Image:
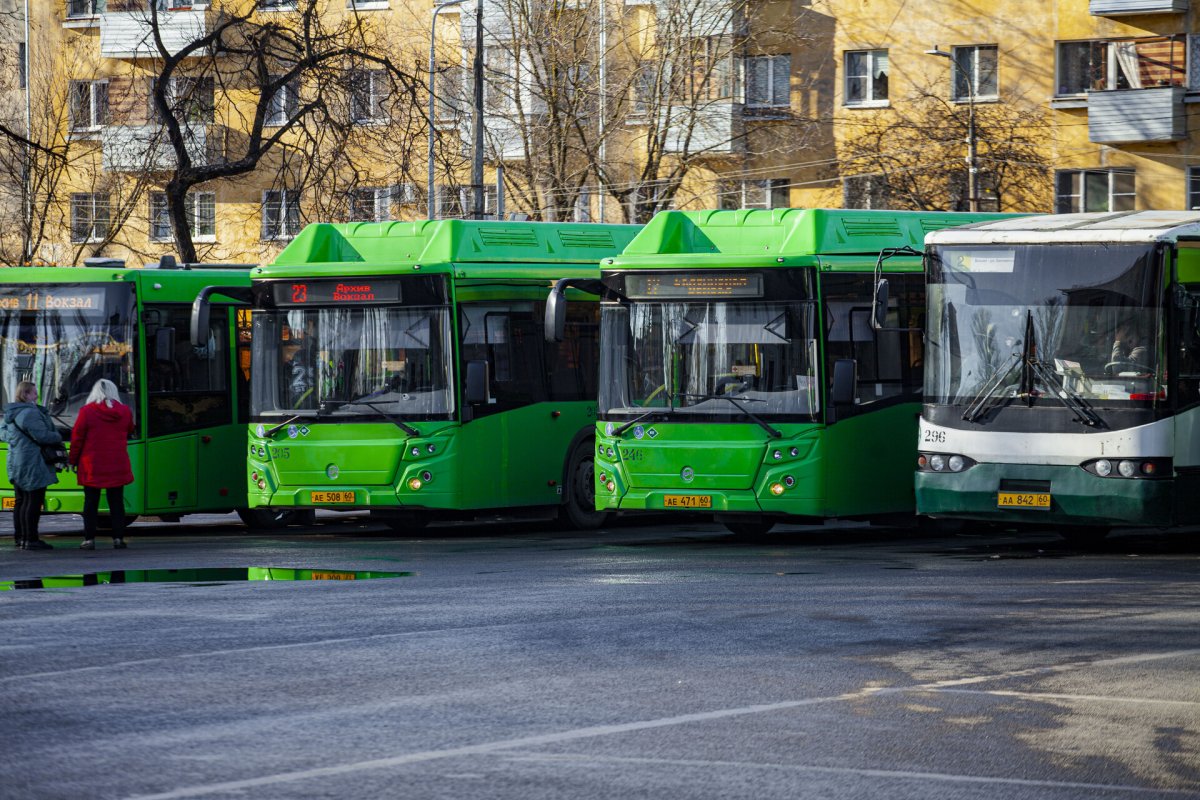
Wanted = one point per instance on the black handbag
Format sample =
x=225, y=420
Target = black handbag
x=55, y=455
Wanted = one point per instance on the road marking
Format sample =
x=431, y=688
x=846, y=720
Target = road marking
x=663, y=722
x=1098, y=698
x=891, y=774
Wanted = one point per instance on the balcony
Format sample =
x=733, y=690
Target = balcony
x=715, y=129
x=1122, y=8
x=128, y=34
x=145, y=148
x=1137, y=115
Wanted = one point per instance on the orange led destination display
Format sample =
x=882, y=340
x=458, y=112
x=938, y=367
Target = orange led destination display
x=676, y=285
x=350, y=292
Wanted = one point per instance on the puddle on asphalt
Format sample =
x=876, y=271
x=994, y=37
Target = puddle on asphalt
x=204, y=576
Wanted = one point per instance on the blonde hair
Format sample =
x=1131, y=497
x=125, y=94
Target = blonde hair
x=104, y=391
x=23, y=388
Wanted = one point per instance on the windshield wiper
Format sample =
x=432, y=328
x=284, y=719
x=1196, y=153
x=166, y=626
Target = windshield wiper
x=734, y=401
x=987, y=399
x=269, y=432
x=637, y=419
x=362, y=401
x=1067, y=397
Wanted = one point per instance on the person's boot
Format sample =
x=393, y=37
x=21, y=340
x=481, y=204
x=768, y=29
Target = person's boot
x=88, y=544
x=37, y=544
x=118, y=543
x=18, y=542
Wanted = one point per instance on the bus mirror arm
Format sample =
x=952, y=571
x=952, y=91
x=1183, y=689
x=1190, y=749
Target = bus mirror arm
x=879, y=304
x=556, y=304
x=201, y=307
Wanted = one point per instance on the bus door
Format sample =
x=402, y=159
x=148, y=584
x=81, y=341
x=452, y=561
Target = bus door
x=194, y=452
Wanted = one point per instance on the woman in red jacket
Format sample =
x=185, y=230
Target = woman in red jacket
x=101, y=459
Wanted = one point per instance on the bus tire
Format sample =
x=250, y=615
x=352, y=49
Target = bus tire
x=748, y=526
x=579, y=494
x=1084, y=535
x=272, y=519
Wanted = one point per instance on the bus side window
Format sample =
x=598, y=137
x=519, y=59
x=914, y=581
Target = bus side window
x=572, y=365
x=509, y=338
x=187, y=387
x=1187, y=336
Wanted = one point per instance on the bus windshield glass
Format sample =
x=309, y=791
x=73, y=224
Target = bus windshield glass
x=710, y=359
x=1072, y=322
x=64, y=338
x=367, y=362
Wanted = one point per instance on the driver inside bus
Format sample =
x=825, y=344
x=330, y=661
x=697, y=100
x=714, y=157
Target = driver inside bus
x=1128, y=347
x=297, y=373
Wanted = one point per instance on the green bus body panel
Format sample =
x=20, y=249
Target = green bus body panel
x=1077, y=497
x=734, y=464
x=198, y=467
x=515, y=458
x=1187, y=264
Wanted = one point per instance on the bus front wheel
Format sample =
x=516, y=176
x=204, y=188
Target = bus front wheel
x=270, y=519
x=579, y=502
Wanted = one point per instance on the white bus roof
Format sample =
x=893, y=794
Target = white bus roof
x=1121, y=226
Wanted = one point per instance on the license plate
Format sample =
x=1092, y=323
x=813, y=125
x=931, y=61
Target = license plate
x=8, y=503
x=687, y=501
x=331, y=497
x=1039, y=501
x=333, y=576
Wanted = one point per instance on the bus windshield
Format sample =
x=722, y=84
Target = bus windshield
x=1076, y=323
x=366, y=362
x=710, y=359
x=65, y=337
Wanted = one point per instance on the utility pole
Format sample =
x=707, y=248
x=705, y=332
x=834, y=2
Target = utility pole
x=432, y=193
x=26, y=184
x=477, y=117
x=972, y=162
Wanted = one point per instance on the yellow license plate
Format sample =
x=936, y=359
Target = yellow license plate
x=331, y=497
x=1039, y=501
x=334, y=576
x=687, y=501
x=8, y=503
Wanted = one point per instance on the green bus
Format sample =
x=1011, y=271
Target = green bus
x=63, y=328
x=400, y=368
x=1063, y=380
x=741, y=372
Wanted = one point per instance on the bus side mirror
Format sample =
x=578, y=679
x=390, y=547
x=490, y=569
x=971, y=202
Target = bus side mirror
x=879, y=305
x=844, y=377
x=164, y=344
x=556, y=313
x=476, y=392
x=201, y=308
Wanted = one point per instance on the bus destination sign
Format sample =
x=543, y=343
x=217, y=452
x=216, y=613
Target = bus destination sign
x=50, y=298
x=354, y=291
x=679, y=285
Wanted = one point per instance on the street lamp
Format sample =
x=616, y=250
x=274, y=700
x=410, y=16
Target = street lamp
x=437, y=9
x=972, y=165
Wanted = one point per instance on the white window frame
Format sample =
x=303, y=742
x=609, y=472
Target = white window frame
x=366, y=5
x=751, y=64
x=374, y=100
x=92, y=203
x=1192, y=191
x=872, y=57
x=972, y=51
x=760, y=193
x=276, y=5
x=194, y=203
x=380, y=201
x=1113, y=198
x=94, y=9
x=97, y=110
x=1111, y=64
x=284, y=201
x=870, y=187
x=283, y=105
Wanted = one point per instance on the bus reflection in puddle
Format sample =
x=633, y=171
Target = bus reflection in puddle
x=204, y=576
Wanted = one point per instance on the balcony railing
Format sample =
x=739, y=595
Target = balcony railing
x=146, y=148
x=1137, y=115
x=1120, y=8
x=128, y=34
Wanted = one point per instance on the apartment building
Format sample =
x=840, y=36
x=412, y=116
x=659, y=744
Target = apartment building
x=614, y=110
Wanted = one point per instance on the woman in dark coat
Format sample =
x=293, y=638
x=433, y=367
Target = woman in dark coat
x=27, y=426
x=101, y=458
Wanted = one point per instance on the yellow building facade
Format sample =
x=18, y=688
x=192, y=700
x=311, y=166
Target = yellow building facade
x=1059, y=105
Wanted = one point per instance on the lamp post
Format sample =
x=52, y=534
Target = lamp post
x=437, y=9
x=972, y=165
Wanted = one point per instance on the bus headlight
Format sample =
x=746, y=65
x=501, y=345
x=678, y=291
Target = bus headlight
x=1127, y=469
x=956, y=463
x=414, y=484
x=776, y=489
x=940, y=462
x=1130, y=467
x=612, y=487
x=937, y=463
x=1104, y=468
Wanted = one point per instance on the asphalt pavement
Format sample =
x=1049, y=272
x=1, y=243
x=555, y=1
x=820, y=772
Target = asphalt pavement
x=519, y=660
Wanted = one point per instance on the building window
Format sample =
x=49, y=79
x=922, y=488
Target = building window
x=768, y=81
x=1193, y=188
x=448, y=85
x=85, y=8
x=276, y=5
x=1125, y=64
x=201, y=210
x=89, y=217
x=582, y=211
x=498, y=88
x=280, y=214
x=368, y=92
x=1078, y=190
x=451, y=200
x=284, y=105
x=371, y=204
x=22, y=80
x=865, y=191
x=866, y=78
x=89, y=105
x=768, y=193
x=975, y=72
x=189, y=99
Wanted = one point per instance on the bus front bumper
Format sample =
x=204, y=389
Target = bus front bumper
x=1077, y=497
